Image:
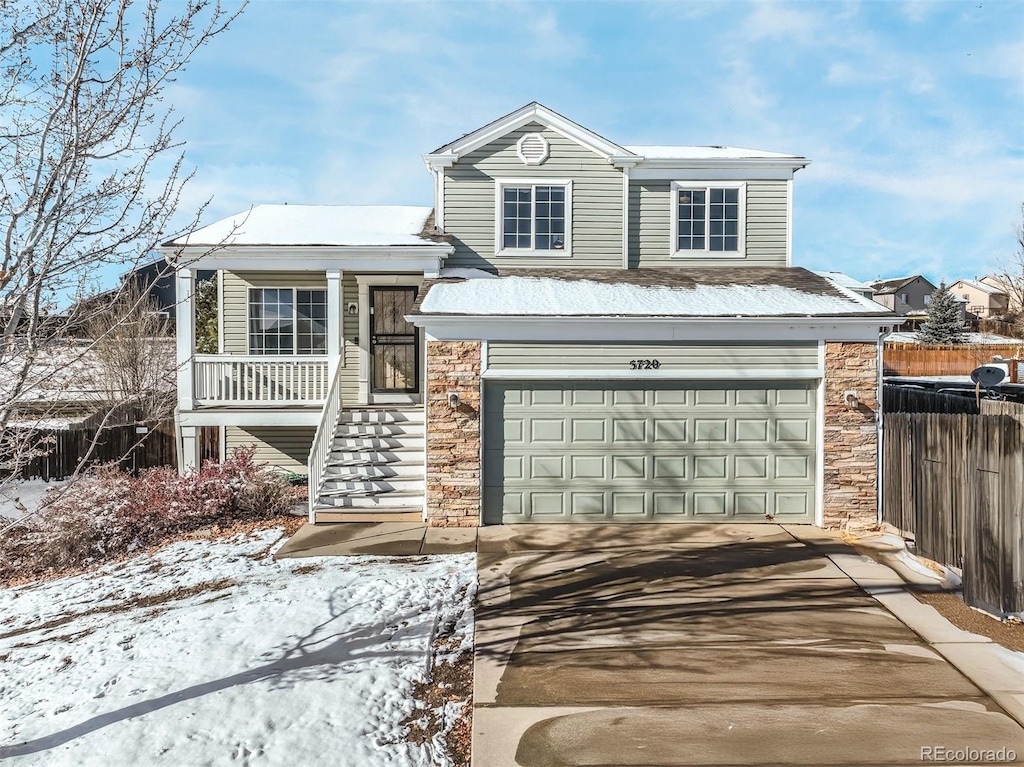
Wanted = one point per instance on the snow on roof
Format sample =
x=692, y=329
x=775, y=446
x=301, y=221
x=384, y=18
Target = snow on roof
x=339, y=225
x=893, y=284
x=980, y=286
x=707, y=153
x=841, y=278
x=635, y=294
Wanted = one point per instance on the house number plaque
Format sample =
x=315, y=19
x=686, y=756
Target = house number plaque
x=644, y=364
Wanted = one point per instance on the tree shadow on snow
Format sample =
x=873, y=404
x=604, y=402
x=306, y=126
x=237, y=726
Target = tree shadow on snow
x=317, y=655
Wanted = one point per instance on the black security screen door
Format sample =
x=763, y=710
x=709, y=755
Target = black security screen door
x=394, y=344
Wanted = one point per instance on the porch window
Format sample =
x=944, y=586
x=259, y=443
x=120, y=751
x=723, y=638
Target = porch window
x=287, y=321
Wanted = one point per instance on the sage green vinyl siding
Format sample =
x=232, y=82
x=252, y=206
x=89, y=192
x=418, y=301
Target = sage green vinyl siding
x=650, y=227
x=469, y=203
x=684, y=357
x=236, y=315
x=646, y=451
x=236, y=307
x=285, y=447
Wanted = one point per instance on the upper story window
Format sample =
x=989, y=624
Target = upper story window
x=287, y=321
x=534, y=217
x=708, y=219
x=927, y=298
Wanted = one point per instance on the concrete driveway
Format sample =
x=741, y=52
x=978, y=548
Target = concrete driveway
x=717, y=645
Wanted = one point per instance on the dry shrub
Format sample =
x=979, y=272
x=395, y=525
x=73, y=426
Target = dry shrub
x=109, y=513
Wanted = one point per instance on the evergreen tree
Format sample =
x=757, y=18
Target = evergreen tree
x=945, y=324
x=207, y=313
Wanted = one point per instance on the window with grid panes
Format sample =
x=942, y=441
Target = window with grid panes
x=707, y=218
x=533, y=217
x=287, y=321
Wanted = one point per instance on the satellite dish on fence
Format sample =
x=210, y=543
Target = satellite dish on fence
x=988, y=375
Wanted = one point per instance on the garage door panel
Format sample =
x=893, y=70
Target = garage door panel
x=671, y=451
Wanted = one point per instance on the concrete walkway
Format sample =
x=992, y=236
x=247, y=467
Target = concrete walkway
x=722, y=645
x=397, y=539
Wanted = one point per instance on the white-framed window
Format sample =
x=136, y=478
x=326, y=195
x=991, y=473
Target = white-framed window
x=533, y=217
x=903, y=298
x=287, y=321
x=927, y=298
x=708, y=219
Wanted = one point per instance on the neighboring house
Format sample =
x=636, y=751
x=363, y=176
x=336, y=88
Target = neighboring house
x=848, y=282
x=1013, y=295
x=982, y=300
x=904, y=295
x=575, y=331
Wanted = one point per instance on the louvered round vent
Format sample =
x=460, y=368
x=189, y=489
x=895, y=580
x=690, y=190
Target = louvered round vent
x=532, y=149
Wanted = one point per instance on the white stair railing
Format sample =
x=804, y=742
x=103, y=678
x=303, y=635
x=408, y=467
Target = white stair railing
x=323, y=442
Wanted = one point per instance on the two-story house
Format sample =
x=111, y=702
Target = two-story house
x=982, y=300
x=905, y=295
x=575, y=331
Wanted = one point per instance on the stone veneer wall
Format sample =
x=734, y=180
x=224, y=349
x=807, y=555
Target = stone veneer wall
x=453, y=434
x=851, y=436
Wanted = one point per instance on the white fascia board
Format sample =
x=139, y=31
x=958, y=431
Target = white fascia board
x=662, y=374
x=428, y=258
x=241, y=416
x=650, y=329
x=714, y=172
x=750, y=163
x=530, y=113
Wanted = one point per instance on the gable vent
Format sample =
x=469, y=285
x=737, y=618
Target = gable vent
x=532, y=149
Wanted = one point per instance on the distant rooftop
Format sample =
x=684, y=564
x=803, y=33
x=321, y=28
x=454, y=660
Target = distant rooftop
x=311, y=225
x=981, y=286
x=841, y=278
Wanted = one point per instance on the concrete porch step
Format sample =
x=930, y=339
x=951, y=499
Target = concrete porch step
x=373, y=457
x=355, y=472
x=383, y=415
x=398, y=514
x=379, y=443
x=395, y=498
x=379, y=430
x=334, y=487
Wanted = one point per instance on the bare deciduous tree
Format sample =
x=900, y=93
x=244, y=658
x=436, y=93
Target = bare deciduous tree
x=1010, y=276
x=90, y=171
x=132, y=355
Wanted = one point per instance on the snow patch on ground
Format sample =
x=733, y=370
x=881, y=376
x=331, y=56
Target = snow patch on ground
x=518, y=296
x=212, y=652
x=29, y=492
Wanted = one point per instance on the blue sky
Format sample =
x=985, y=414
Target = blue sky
x=911, y=112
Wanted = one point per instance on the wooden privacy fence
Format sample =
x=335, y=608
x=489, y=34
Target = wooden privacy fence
x=907, y=399
x=955, y=482
x=61, y=451
x=901, y=359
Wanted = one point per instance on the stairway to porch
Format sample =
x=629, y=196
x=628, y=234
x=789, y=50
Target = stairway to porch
x=376, y=470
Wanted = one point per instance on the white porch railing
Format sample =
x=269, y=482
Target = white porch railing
x=320, y=452
x=222, y=379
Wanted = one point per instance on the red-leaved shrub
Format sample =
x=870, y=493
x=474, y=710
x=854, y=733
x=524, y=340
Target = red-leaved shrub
x=107, y=512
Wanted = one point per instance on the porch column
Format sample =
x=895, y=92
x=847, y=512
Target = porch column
x=186, y=336
x=334, y=309
x=188, y=459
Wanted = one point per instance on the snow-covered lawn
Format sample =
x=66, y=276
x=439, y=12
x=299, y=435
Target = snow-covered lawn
x=211, y=652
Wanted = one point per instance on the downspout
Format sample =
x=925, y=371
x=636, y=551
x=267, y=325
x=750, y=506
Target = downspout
x=880, y=419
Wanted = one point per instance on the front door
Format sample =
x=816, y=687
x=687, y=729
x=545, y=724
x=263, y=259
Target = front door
x=394, y=343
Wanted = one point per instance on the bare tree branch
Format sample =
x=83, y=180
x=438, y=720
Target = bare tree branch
x=90, y=176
